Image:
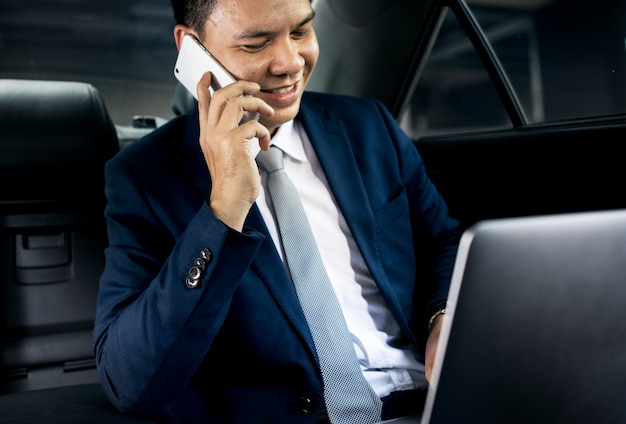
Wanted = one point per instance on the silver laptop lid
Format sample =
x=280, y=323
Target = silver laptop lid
x=536, y=330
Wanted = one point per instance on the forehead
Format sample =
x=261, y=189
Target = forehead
x=250, y=16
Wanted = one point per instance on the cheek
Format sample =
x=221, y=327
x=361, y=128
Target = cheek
x=311, y=52
x=252, y=70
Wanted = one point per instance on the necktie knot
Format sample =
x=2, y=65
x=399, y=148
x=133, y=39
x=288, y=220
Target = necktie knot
x=270, y=160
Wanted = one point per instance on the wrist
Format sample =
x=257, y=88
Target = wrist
x=435, y=317
x=231, y=215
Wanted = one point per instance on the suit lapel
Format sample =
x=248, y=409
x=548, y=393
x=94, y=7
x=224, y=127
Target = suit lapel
x=274, y=275
x=334, y=151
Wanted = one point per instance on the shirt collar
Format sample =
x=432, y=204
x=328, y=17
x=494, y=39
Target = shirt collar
x=288, y=139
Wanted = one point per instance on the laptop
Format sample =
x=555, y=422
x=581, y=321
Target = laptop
x=536, y=328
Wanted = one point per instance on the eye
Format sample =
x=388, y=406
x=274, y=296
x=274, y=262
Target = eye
x=301, y=33
x=255, y=47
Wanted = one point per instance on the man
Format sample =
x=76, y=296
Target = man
x=198, y=319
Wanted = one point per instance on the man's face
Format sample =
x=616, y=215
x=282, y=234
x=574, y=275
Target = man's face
x=270, y=42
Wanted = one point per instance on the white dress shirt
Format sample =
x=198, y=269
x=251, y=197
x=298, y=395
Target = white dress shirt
x=369, y=321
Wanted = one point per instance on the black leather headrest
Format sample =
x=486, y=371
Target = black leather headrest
x=55, y=137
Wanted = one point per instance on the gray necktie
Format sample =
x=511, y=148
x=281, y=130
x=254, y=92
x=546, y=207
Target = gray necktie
x=349, y=397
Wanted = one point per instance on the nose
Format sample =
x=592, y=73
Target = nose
x=287, y=58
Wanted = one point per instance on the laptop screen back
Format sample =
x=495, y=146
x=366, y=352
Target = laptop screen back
x=537, y=325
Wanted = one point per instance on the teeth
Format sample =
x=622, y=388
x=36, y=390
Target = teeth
x=283, y=90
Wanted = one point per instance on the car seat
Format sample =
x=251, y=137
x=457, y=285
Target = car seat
x=182, y=100
x=54, y=140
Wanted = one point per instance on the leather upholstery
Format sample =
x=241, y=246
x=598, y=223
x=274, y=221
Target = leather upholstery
x=54, y=140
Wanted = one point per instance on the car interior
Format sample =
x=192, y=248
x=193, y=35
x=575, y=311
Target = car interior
x=56, y=137
x=515, y=116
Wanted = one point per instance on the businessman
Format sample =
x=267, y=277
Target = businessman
x=200, y=315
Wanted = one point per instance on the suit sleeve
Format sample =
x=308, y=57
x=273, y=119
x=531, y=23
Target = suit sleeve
x=152, y=331
x=436, y=234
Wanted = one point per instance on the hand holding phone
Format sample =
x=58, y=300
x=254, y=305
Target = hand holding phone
x=192, y=62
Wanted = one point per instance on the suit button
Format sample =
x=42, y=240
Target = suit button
x=305, y=404
x=199, y=263
x=205, y=254
x=194, y=272
x=192, y=283
x=193, y=277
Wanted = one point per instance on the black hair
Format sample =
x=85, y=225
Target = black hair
x=193, y=13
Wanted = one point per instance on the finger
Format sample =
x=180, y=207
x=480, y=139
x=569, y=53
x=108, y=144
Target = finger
x=227, y=109
x=254, y=129
x=239, y=88
x=236, y=108
x=251, y=106
x=202, y=91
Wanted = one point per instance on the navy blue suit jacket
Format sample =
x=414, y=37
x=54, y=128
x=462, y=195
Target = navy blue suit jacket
x=237, y=347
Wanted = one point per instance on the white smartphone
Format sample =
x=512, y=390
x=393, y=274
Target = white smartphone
x=193, y=61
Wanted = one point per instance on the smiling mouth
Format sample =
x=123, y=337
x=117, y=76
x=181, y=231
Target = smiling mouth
x=281, y=90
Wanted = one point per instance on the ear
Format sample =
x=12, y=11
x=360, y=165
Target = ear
x=179, y=33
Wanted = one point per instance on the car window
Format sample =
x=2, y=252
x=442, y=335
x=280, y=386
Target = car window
x=564, y=59
x=124, y=48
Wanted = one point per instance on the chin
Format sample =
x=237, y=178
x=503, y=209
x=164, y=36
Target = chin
x=280, y=117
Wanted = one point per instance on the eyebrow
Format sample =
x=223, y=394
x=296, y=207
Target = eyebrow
x=260, y=34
